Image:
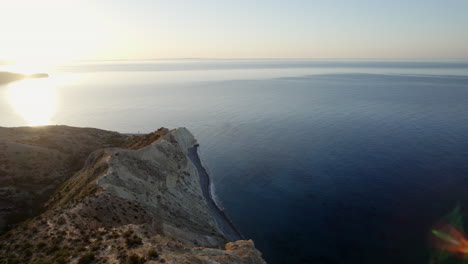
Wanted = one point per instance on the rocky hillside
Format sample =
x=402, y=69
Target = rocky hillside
x=141, y=202
x=35, y=161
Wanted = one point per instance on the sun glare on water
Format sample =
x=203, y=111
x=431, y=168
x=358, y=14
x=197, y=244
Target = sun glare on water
x=34, y=100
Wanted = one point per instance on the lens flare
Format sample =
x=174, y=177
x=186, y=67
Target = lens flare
x=448, y=238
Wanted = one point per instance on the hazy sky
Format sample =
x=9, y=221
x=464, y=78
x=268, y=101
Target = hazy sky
x=147, y=29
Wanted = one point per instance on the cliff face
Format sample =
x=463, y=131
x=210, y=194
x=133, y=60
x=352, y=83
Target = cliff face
x=139, y=204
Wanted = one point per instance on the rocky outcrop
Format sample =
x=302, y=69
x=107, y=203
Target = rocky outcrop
x=141, y=203
x=7, y=77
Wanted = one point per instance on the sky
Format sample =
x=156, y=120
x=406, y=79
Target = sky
x=153, y=29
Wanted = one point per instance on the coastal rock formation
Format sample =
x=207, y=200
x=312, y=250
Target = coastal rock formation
x=6, y=77
x=140, y=202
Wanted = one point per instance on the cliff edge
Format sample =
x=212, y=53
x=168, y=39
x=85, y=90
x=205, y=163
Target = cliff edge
x=141, y=202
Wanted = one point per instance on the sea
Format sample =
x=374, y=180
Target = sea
x=316, y=161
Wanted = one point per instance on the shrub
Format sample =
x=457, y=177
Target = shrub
x=61, y=220
x=26, y=245
x=135, y=259
x=96, y=246
x=41, y=260
x=13, y=260
x=52, y=249
x=60, y=260
x=114, y=235
x=128, y=233
x=153, y=254
x=133, y=241
x=86, y=259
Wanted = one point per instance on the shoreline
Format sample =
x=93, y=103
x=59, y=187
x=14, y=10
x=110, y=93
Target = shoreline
x=223, y=221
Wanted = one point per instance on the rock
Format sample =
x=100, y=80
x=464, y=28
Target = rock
x=7, y=77
x=38, y=75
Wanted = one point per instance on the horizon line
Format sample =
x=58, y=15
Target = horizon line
x=7, y=61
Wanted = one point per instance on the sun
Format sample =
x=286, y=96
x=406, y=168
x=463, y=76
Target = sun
x=34, y=100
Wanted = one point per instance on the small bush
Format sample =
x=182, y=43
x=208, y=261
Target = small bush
x=133, y=241
x=96, y=246
x=61, y=220
x=60, y=260
x=13, y=260
x=128, y=233
x=26, y=245
x=86, y=259
x=135, y=259
x=52, y=249
x=153, y=254
x=114, y=235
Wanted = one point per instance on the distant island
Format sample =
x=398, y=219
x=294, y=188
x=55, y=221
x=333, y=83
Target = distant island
x=7, y=77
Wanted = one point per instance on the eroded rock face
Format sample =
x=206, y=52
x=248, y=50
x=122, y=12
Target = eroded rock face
x=140, y=204
x=160, y=178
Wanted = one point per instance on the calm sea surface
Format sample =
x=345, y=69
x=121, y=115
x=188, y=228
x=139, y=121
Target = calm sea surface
x=316, y=161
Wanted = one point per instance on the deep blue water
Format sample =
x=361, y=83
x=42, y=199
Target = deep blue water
x=317, y=162
x=351, y=168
